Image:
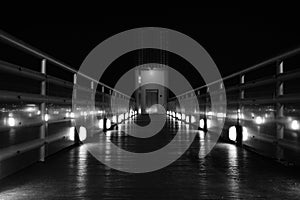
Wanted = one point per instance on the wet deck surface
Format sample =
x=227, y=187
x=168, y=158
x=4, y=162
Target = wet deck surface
x=227, y=172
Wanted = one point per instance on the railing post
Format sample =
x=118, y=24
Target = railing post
x=43, y=127
x=205, y=109
x=279, y=110
x=76, y=135
x=239, y=128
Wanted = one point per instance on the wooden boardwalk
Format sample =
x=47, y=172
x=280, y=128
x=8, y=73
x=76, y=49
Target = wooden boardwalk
x=227, y=172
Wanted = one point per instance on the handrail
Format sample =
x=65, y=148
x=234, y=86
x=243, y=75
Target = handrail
x=252, y=68
x=35, y=52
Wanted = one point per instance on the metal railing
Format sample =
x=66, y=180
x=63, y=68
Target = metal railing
x=237, y=86
x=42, y=98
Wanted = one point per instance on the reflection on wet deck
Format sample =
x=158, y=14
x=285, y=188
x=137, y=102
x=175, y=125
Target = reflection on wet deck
x=227, y=172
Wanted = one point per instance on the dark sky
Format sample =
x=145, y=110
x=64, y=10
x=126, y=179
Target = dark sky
x=235, y=38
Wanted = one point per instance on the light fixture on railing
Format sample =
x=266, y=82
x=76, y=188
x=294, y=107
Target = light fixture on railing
x=101, y=124
x=46, y=118
x=82, y=133
x=11, y=121
x=201, y=123
x=232, y=133
x=295, y=125
x=259, y=120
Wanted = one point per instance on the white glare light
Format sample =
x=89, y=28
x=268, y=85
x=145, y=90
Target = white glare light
x=183, y=117
x=100, y=124
x=46, y=117
x=71, y=133
x=82, y=133
x=140, y=110
x=72, y=115
x=208, y=123
x=259, y=120
x=295, y=125
x=232, y=133
x=67, y=115
x=187, y=119
x=245, y=134
x=193, y=119
x=201, y=123
x=179, y=116
x=11, y=121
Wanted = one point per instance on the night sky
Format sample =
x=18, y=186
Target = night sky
x=235, y=38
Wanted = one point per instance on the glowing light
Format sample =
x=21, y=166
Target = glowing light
x=187, y=119
x=209, y=113
x=30, y=109
x=140, y=79
x=259, y=120
x=82, y=133
x=101, y=124
x=179, y=116
x=11, y=121
x=38, y=112
x=108, y=123
x=72, y=115
x=193, y=119
x=221, y=115
x=201, y=123
x=72, y=133
x=245, y=134
x=208, y=123
x=140, y=110
x=295, y=125
x=232, y=133
x=183, y=116
x=67, y=115
x=46, y=118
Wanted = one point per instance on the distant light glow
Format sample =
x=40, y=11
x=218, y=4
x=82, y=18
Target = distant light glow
x=140, y=79
x=208, y=123
x=187, y=119
x=179, y=116
x=11, y=121
x=193, y=119
x=295, y=125
x=100, y=124
x=183, y=116
x=245, y=134
x=72, y=115
x=67, y=115
x=46, y=117
x=72, y=134
x=201, y=123
x=232, y=133
x=82, y=133
x=259, y=120
x=140, y=111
